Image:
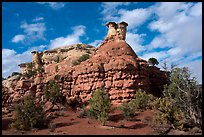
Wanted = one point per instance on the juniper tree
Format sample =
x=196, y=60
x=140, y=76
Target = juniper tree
x=183, y=89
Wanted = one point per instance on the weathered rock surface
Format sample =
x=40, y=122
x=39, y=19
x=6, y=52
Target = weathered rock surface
x=113, y=66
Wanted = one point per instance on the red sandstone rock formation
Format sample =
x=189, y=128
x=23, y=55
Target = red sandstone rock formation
x=114, y=67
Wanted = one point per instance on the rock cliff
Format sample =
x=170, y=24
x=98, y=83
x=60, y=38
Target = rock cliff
x=113, y=66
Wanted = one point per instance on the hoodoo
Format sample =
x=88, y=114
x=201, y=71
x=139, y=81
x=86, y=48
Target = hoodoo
x=112, y=66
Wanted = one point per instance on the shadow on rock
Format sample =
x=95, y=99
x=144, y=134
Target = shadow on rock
x=6, y=122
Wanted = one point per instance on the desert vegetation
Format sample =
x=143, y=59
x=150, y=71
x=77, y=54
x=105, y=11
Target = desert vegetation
x=100, y=105
x=81, y=59
x=141, y=102
x=188, y=97
x=52, y=92
x=153, y=61
x=28, y=115
x=179, y=107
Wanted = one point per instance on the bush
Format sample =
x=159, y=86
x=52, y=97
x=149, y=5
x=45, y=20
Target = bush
x=15, y=73
x=75, y=63
x=56, y=68
x=40, y=70
x=142, y=101
x=88, y=51
x=100, y=104
x=153, y=61
x=184, y=91
x=52, y=92
x=79, y=46
x=81, y=59
x=57, y=60
x=27, y=115
x=30, y=73
x=128, y=110
x=168, y=113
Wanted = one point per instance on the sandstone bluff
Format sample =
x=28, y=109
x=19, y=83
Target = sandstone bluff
x=112, y=66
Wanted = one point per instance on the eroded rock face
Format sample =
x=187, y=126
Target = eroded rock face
x=109, y=69
x=113, y=66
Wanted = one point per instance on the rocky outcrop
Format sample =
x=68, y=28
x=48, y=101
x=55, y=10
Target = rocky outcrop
x=48, y=60
x=113, y=66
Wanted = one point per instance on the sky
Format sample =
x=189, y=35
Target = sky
x=168, y=31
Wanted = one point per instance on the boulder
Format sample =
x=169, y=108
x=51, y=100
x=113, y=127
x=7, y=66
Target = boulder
x=48, y=106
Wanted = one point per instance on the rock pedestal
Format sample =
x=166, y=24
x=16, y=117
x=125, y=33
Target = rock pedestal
x=113, y=66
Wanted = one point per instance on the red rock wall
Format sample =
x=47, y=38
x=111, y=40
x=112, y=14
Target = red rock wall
x=115, y=67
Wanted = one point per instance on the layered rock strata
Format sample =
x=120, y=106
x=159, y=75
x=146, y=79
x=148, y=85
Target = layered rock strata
x=113, y=66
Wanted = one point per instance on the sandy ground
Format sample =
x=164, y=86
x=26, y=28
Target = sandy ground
x=71, y=124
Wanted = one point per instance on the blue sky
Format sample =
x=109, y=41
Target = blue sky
x=169, y=31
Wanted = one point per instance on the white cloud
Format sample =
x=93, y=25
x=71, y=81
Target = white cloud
x=180, y=29
x=158, y=55
x=180, y=25
x=109, y=10
x=73, y=38
x=7, y=52
x=33, y=32
x=167, y=10
x=96, y=43
x=134, y=17
x=38, y=19
x=158, y=42
x=11, y=60
x=196, y=10
x=174, y=51
x=37, y=48
x=18, y=38
x=135, y=41
x=53, y=5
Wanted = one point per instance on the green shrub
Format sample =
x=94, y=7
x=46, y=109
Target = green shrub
x=184, y=91
x=30, y=73
x=88, y=51
x=128, y=110
x=56, y=68
x=100, y=104
x=15, y=73
x=79, y=46
x=81, y=59
x=40, y=70
x=57, y=59
x=52, y=92
x=30, y=66
x=143, y=100
x=75, y=63
x=167, y=112
x=71, y=48
x=57, y=77
x=153, y=61
x=27, y=115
